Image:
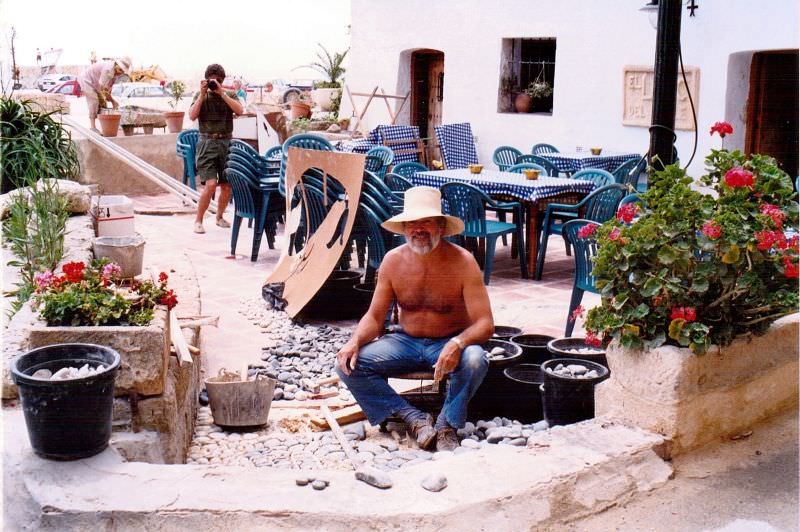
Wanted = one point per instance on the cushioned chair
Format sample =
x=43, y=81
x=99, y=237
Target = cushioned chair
x=505, y=156
x=549, y=167
x=469, y=203
x=598, y=206
x=457, y=144
x=408, y=169
x=542, y=147
x=306, y=141
x=185, y=148
x=585, y=251
x=385, y=154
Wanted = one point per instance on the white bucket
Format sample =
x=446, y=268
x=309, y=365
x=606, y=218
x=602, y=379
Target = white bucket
x=126, y=251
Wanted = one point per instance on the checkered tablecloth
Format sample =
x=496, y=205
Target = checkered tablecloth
x=380, y=134
x=494, y=182
x=457, y=145
x=572, y=162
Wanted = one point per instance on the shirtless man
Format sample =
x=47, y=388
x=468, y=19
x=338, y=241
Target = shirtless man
x=444, y=315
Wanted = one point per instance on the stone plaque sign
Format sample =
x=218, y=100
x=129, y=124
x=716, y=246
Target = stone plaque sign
x=637, y=97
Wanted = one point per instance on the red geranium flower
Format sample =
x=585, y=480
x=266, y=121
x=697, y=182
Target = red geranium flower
x=627, y=212
x=712, y=229
x=587, y=230
x=578, y=312
x=162, y=277
x=592, y=339
x=790, y=270
x=688, y=314
x=769, y=239
x=614, y=235
x=723, y=128
x=169, y=299
x=74, y=271
x=774, y=212
x=163, y=82
x=738, y=177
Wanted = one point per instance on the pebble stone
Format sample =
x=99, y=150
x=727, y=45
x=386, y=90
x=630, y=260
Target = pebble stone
x=374, y=477
x=434, y=482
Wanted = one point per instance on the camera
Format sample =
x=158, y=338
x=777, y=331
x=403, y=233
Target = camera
x=212, y=85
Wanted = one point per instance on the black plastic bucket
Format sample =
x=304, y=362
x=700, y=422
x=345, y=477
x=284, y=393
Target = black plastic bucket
x=534, y=347
x=505, y=332
x=524, y=381
x=568, y=400
x=67, y=419
x=568, y=348
x=337, y=298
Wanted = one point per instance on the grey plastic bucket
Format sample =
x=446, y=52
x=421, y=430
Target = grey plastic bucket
x=126, y=251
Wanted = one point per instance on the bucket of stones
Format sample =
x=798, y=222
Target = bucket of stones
x=238, y=403
x=534, y=347
x=568, y=392
x=67, y=394
x=577, y=348
x=126, y=251
x=505, y=332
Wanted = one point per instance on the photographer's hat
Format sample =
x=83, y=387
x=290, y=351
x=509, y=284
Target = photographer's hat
x=419, y=203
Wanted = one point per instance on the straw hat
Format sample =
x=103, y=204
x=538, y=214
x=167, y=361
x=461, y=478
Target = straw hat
x=124, y=63
x=422, y=202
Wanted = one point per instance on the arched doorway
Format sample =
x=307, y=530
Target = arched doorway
x=772, y=123
x=427, y=90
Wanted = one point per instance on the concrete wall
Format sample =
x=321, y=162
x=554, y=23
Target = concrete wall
x=117, y=177
x=595, y=40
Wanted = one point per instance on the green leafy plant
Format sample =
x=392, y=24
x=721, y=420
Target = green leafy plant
x=329, y=65
x=697, y=268
x=35, y=146
x=300, y=125
x=83, y=295
x=176, y=90
x=539, y=89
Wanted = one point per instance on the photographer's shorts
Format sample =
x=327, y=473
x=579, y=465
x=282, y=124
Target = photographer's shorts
x=211, y=157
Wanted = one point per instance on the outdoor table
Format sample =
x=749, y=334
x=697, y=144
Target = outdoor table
x=572, y=162
x=535, y=194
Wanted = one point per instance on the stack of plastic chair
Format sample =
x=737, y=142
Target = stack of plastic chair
x=505, y=157
x=306, y=141
x=469, y=203
x=585, y=251
x=397, y=183
x=185, y=148
x=385, y=154
x=249, y=202
x=599, y=206
x=408, y=169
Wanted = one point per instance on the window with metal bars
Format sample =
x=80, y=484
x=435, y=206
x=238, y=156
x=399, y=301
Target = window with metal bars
x=527, y=73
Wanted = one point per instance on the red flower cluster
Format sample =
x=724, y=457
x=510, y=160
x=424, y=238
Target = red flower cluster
x=790, y=270
x=162, y=277
x=169, y=299
x=723, y=128
x=74, y=271
x=685, y=313
x=578, y=312
x=587, y=230
x=614, y=235
x=712, y=229
x=769, y=239
x=738, y=177
x=593, y=340
x=163, y=82
x=774, y=212
x=626, y=213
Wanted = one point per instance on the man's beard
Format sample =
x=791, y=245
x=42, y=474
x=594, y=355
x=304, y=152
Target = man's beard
x=421, y=248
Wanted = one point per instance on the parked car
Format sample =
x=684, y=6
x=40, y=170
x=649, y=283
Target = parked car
x=147, y=96
x=48, y=81
x=290, y=90
x=68, y=88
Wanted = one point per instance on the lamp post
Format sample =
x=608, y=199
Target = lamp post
x=665, y=82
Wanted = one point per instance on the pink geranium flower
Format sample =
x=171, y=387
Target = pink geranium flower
x=723, y=128
x=592, y=339
x=768, y=239
x=578, y=312
x=738, y=177
x=626, y=213
x=614, y=235
x=712, y=229
x=587, y=230
x=774, y=212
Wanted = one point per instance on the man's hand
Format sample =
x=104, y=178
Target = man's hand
x=447, y=362
x=347, y=357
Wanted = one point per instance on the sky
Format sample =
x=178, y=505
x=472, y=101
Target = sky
x=251, y=39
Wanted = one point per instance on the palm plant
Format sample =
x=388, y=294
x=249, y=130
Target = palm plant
x=329, y=65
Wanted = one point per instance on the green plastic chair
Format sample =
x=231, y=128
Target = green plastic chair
x=599, y=177
x=469, y=203
x=549, y=167
x=408, y=169
x=585, y=251
x=628, y=172
x=185, y=148
x=542, y=147
x=518, y=168
x=385, y=154
x=306, y=141
x=505, y=156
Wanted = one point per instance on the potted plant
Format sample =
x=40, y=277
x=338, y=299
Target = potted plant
x=701, y=273
x=301, y=107
x=330, y=66
x=540, y=92
x=174, y=119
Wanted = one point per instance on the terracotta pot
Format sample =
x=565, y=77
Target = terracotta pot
x=299, y=110
x=523, y=103
x=174, y=120
x=109, y=124
x=128, y=130
x=148, y=129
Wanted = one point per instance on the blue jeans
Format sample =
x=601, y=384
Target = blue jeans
x=398, y=353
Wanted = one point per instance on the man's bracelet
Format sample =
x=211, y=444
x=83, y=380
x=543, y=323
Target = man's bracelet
x=458, y=341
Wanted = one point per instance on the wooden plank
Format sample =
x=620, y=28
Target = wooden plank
x=337, y=431
x=311, y=403
x=176, y=336
x=344, y=416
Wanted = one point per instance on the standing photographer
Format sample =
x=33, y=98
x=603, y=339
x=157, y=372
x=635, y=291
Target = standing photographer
x=214, y=108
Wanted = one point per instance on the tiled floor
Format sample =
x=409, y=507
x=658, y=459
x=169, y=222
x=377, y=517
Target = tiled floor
x=534, y=306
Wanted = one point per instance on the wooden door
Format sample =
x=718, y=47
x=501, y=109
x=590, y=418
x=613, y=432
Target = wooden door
x=427, y=90
x=772, y=111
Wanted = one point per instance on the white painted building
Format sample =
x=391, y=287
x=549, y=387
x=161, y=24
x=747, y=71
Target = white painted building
x=593, y=42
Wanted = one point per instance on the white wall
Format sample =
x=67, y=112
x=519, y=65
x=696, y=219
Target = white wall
x=595, y=40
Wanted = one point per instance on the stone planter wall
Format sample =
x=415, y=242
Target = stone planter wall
x=694, y=400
